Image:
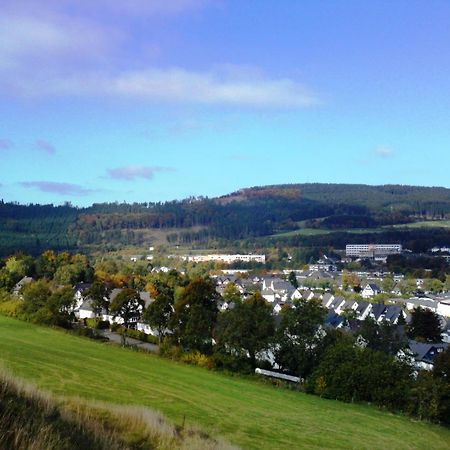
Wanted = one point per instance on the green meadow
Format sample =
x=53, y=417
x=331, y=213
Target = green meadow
x=244, y=412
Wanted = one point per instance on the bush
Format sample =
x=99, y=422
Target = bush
x=226, y=361
x=198, y=359
x=349, y=373
x=167, y=350
x=89, y=333
x=430, y=399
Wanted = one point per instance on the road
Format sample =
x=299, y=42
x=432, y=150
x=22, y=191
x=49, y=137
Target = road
x=117, y=339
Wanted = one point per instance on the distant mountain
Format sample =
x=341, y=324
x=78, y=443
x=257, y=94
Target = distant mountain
x=245, y=214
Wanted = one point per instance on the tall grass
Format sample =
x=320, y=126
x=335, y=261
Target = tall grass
x=35, y=420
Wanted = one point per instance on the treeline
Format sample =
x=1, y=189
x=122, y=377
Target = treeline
x=250, y=213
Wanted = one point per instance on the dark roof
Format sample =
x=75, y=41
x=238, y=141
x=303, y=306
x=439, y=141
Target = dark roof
x=333, y=320
x=362, y=306
x=377, y=310
x=373, y=286
x=426, y=352
x=82, y=286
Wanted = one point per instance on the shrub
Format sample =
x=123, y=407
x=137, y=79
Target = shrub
x=198, y=359
x=170, y=351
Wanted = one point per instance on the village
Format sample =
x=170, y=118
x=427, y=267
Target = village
x=349, y=297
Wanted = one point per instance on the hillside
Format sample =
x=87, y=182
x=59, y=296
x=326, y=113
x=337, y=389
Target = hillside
x=245, y=412
x=246, y=214
x=32, y=419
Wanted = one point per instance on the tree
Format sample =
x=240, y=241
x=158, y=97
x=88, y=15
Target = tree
x=388, y=284
x=231, y=293
x=247, y=329
x=195, y=315
x=349, y=373
x=384, y=336
x=127, y=305
x=293, y=279
x=35, y=297
x=441, y=367
x=99, y=293
x=432, y=285
x=299, y=336
x=58, y=309
x=430, y=398
x=159, y=313
x=425, y=325
x=350, y=279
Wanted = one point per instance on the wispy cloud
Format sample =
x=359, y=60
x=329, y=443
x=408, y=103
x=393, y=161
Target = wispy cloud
x=106, y=7
x=47, y=51
x=174, y=85
x=58, y=188
x=45, y=146
x=5, y=144
x=384, y=152
x=129, y=173
x=239, y=157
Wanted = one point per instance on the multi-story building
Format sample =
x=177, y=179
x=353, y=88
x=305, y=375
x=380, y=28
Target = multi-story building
x=372, y=250
x=225, y=258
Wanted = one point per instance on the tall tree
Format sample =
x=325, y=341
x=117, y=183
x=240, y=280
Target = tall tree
x=425, y=325
x=99, y=293
x=299, y=336
x=195, y=315
x=384, y=336
x=293, y=279
x=247, y=329
x=127, y=305
x=159, y=313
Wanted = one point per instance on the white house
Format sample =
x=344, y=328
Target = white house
x=370, y=290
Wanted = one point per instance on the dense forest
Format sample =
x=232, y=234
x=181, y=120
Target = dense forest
x=248, y=214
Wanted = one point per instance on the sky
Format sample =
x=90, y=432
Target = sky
x=154, y=100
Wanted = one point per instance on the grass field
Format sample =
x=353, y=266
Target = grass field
x=317, y=231
x=244, y=412
x=426, y=224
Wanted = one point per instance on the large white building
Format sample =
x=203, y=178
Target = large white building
x=372, y=250
x=226, y=258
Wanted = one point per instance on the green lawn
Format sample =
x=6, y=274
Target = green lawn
x=317, y=231
x=426, y=224
x=244, y=412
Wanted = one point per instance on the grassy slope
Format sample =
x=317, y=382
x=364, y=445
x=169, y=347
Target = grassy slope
x=244, y=412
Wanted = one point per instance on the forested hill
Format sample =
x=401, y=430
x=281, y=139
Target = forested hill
x=248, y=213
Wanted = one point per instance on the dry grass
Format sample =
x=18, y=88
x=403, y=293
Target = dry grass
x=35, y=420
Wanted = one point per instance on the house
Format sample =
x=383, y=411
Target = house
x=337, y=304
x=393, y=313
x=446, y=331
x=296, y=295
x=23, y=282
x=443, y=308
x=424, y=354
x=327, y=299
x=308, y=295
x=422, y=302
x=370, y=290
x=85, y=310
x=79, y=291
x=334, y=320
x=269, y=295
x=363, y=310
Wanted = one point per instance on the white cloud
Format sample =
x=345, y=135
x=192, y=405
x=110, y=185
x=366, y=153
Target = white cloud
x=384, y=152
x=48, y=51
x=172, y=85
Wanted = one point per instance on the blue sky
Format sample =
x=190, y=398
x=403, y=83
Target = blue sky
x=150, y=100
